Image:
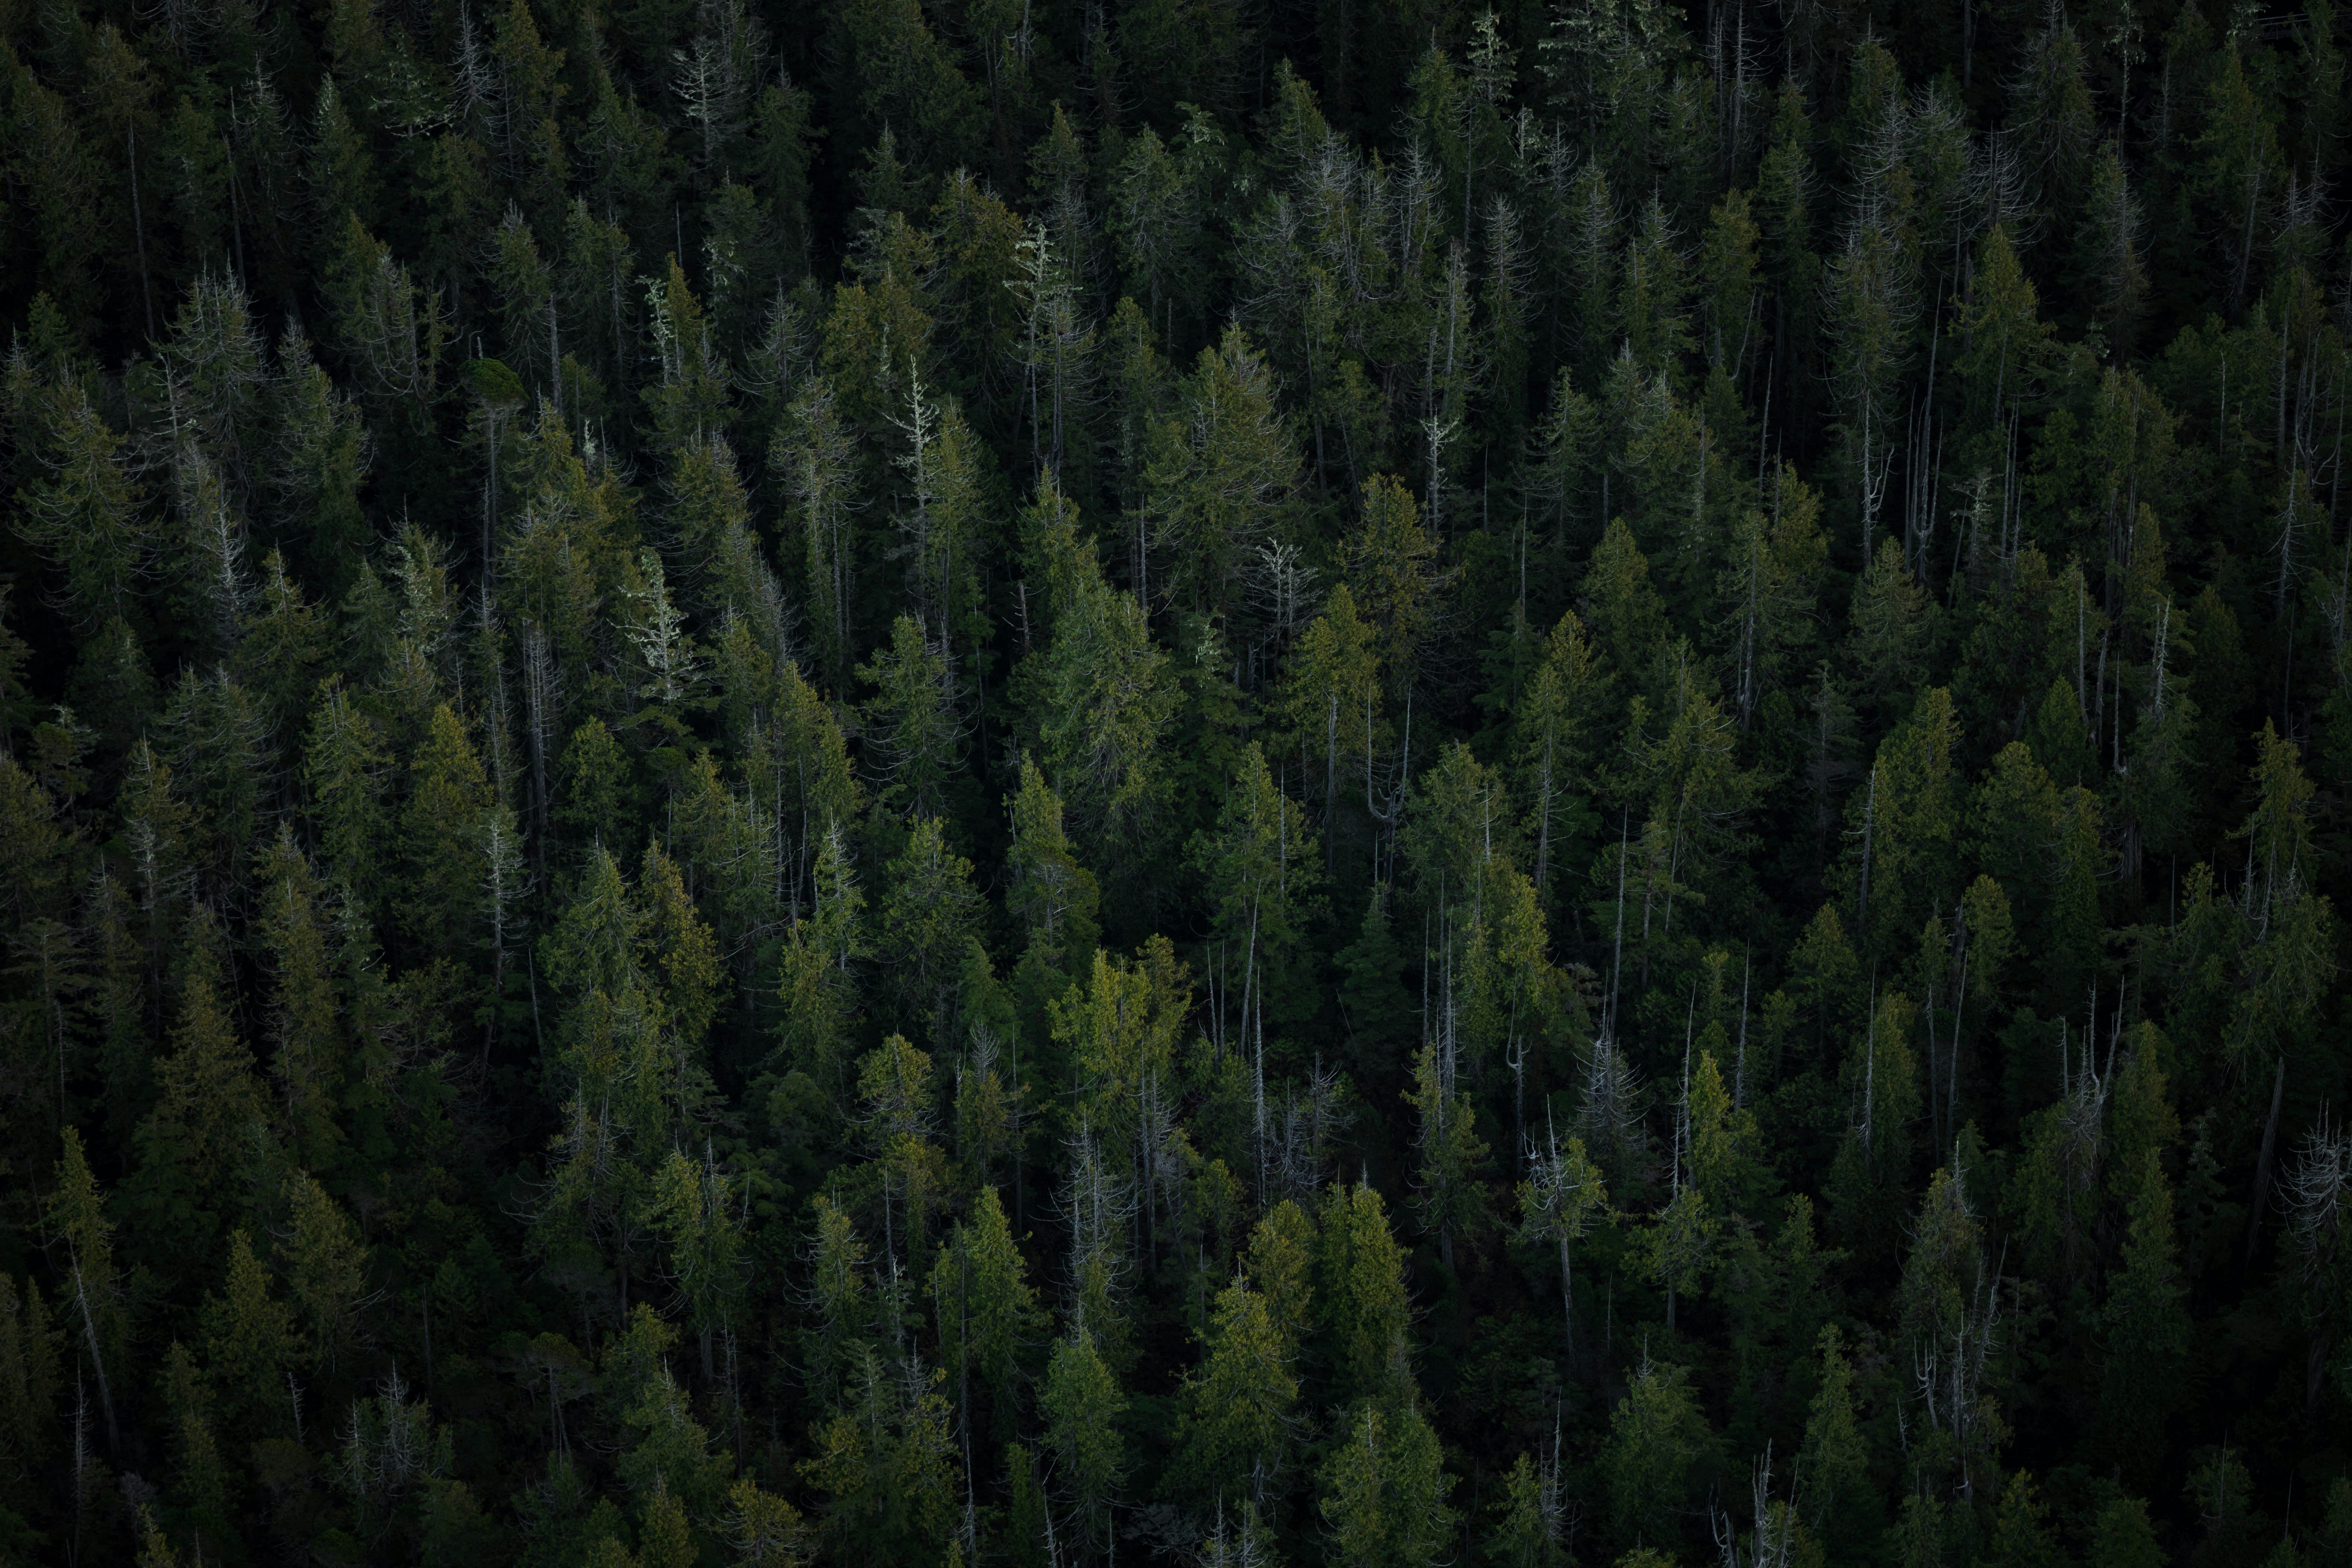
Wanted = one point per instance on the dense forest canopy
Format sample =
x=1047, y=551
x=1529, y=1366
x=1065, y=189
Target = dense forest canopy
x=991, y=782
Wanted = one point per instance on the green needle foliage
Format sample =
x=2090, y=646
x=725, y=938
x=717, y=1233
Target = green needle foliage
x=1167, y=781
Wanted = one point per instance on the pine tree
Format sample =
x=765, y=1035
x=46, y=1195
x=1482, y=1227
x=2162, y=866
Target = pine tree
x=1384, y=1491
x=326, y=1270
x=1656, y=1435
x=209, y=1106
x=2123, y=1536
x=82, y=508
x=1082, y=1403
x=60, y=172
x=1334, y=694
x=250, y=1339
x=29, y=1356
x=1451, y=1198
x=1390, y=564
x=1550, y=723
x=343, y=767
x=987, y=1308
x=916, y=734
x=1263, y=880
x=2148, y=1325
x=1835, y=1459
x=1360, y=1294
x=96, y=1315
x=447, y=793
x=887, y=1467
x=309, y=1057
x=1052, y=895
x=894, y=72
x=1099, y=703
x=690, y=399
x=1221, y=473
x=2021, y=1538
x=2054, y=113
x=1557, y=1201
x=2004, y=341
x=2111, y=245
x=1528, y=1530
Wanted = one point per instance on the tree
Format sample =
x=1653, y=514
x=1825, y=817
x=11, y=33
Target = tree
x=1835, y=1461
x=1656, y=1437
x=1561, y=1193
x=820, y=989
x=1451, y=1198
x=927, y=923
x=2240, y=147
x=1517, y=1001
x=96, y=1316
x=447, y=793
x=1281, y=1258
x=761, y=1528
x=840, y=1300
x=249, y=1338
x=82, y=508
x=1156, y=208
x=1391, y=565
x=1549, y=726
x=1951, y=1314
x=1053, y=897
x=1871, y=304
x=29, y=1377
x=1723, y=1142
x=61, y=173
x=987, y=1308
x=2021, y=1538
x=892, y=71
x=813, y=457
x=209, y=1104
x=2111, y=245
x=1262, y=877
x=2123, y=1536
x=2146, y=1322
x=894, y=1087
x=695, y=1209
x=1379, y=1014
x=2054, y=115
x=886, y=1466
x=390, y=329
x=1241, y=1414
x=2004, y=341
x=1334, y=693
x=668, y=1452
x=690, y=398
x=326, y=1272
x=1384, y=1492
x=1083, y=1405
x=1099, y=703
x=1360, y=1294
x=916, y=734
x=1529, y=1524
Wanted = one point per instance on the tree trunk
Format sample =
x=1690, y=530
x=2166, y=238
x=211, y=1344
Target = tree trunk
x=2263, y=1165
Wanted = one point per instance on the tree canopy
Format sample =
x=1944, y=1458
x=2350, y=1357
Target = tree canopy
x=1178, y=781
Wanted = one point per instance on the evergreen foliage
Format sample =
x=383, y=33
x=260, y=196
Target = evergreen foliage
x=1175, y=781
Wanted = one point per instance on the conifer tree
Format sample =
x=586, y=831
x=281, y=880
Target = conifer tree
x=1384, y=1491
x=82, y=508
x=249, y=1338
x=1082, y=1404
x=1657, y=1434
x=2148, y=1327
x=97, y=1314
x=988, y=1311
